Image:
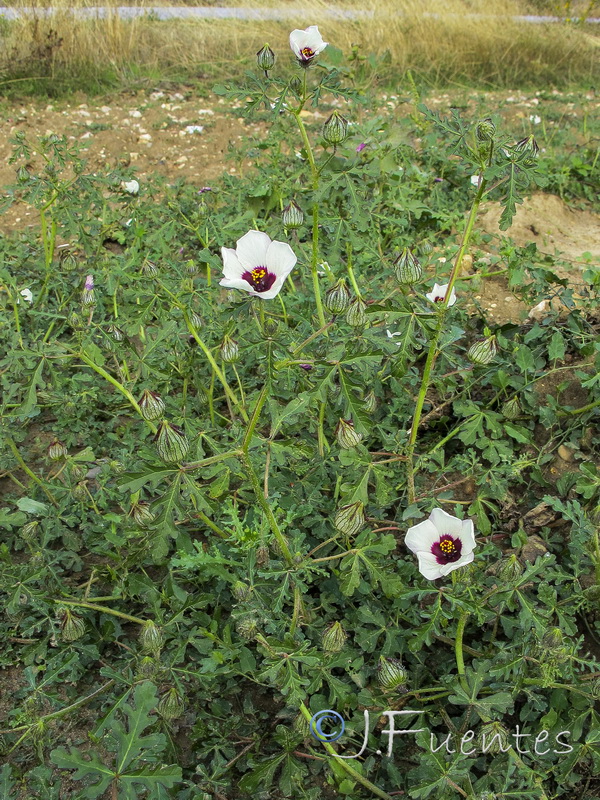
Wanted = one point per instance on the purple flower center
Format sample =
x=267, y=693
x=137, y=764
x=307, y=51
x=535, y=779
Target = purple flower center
x=307, y=53
x=439, y=298
x=259, y=278
x=447, y=550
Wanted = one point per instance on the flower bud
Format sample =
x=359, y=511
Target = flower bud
x=265, y=58
x=78, y=471
x=71, y=626
x=147, y=669
x=483, y=351
x=116, y=333
x=591, y=594
x=595, y=690
x=356, y=313
x=196, y=320
x=262, y=556
x=229, y=350
x=170, y=706
x=247, y=627
x=425, y=248
x=241, y=591
x=270, y=328
x=492, y=738
x=334, y=638
x=141, y=514
x=68, y=261
x=512, y=408
x=23, y=174
x=335, y=129
x=151, y=405
x=350, y=519
x=510, y=569
x=390, y=673
x=346, y=435
x=29, y=530
x=151, y=638
x=408, y=269
x=191, y=267
x=292, y=216
x=552, y=639
x=87, y=296
x=485, y=130
x=149, y=269
x=370, y=402
x=79, y=491
x=56, y=450
x=171, y=443
x=529, y=148
x=337, y=299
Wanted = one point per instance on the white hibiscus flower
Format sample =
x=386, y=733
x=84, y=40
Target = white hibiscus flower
x=258, y=265
x=442, y=543
x=307, y=44
x=438, y=294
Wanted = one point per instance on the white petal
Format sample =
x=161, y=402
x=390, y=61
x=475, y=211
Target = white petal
x=446, y=523
x=252, y=249
x=452, y=299
x=231, y=264
x=462, y=561
x=237, y=283
x=468, y=536
x=429, y=567
x=274, y=290
x=313, y=39
x=280, y=259
x=297, y=41
x=419, y=538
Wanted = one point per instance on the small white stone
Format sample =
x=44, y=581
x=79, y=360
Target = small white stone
x=535, y=119
x=135, y=113
x=208, y=112
x=194, y=129
x=493, y=305
x=145, y=137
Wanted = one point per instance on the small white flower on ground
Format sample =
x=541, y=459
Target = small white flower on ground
x=475, y=180
x=307, y=44
x=26, y=295
x=194, y=128
x=258, y=265
x=442, y=543
x=131, y=187
x=438, y=294
x=535, y=119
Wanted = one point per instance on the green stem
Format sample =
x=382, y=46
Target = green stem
x=254, y=419
x=94, y=607
x=458, y=649
x=345, y=765
x=351, y=272
x=211, y=460
x=433, y=346
x=25, y=468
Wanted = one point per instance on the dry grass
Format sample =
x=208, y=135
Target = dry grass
x=451, y=48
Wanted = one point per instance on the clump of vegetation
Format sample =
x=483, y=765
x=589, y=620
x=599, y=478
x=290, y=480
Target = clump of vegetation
x=261, y=465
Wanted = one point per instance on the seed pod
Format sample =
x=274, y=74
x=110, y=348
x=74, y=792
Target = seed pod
x=270, y=328
x=149, y=269
x=485, y=130
x=247, y=627
x=335, y=129
x=510, y=569
x=170, y=706
x=512, y=408
x=483, y=351
x=78, y=471
x=151, y=638
x=171, y=443
x=79, y=491
x=116, y=333
x=529, y=148
x=337, y=299
x=29, y=530
x=492, y=738
x=595, y=690
x=425, y=248
x=350, y=519
x=191, y=267
x=229, y=350
x=408, y=269
x=292, y=216
x=334, y=638
x=196, y=320
x=241, y=591
x=356, y=313
x=370, y=402
x=151, y=405
x=262, y=556
x=23, y=174
x=87, y=296
x=147, y=668
x=346, y=435
x=68, y=262
x=71, y=626
x=390, y=673
x=141, y=514
x=56, y=450
x=265, y=59
x=552, y=639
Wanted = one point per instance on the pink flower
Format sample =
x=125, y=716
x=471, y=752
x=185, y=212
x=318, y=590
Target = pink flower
x=361, y=147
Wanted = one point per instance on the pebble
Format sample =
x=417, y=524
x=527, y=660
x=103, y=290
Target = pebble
x=145, y=137
x=493, y=305
x=565, y=453
x=135, y=113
